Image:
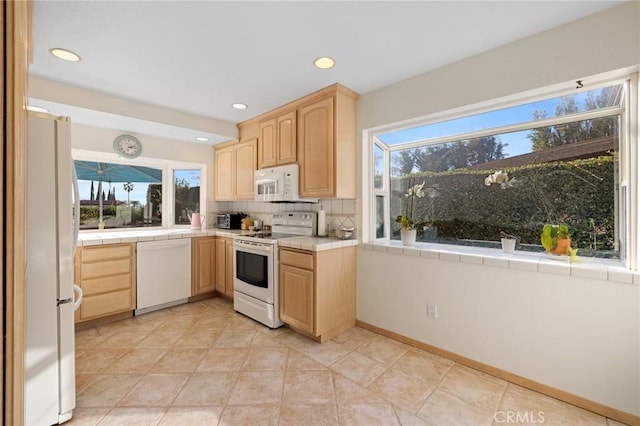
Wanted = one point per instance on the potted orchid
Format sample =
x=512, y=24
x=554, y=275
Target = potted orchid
x=407, y=220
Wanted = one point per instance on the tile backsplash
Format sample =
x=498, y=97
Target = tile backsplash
x=340, y=213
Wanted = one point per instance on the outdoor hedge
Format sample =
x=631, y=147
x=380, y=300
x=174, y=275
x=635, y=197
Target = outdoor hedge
x=579, y=193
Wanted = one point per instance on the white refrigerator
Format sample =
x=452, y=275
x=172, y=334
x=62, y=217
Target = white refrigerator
x=51, y=231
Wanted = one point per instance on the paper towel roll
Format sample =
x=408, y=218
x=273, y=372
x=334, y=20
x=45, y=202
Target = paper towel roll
x=322, y=223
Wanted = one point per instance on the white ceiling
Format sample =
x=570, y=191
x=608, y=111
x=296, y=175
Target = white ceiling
x=200, y=57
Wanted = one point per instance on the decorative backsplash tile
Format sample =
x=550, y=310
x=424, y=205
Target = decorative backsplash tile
x=340, y=213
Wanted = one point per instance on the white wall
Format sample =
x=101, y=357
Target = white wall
x=578, y=335
x=101, y=140
x=600, y=43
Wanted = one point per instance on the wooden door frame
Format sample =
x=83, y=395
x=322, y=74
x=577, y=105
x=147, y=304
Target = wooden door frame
x=16, y=17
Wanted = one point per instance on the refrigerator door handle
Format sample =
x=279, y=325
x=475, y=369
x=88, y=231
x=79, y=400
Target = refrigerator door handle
x=76, y=209
x=78, y=301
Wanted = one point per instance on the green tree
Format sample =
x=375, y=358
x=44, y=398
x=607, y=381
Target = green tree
x=570, y=133
x=607, y=126
x=458, y=155
x=181, y=200
x=404, y=161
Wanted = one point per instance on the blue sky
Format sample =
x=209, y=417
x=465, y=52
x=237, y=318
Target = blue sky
x=517, y=142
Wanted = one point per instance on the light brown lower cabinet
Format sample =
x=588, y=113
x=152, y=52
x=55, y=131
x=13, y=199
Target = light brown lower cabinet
x=107, y=276
x=203, y=265
x=224, y=266
x=318, y=291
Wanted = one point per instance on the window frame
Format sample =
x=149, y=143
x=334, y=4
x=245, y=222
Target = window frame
x=168, y=168
x=627, y=179
x=172, y=170
x=381, y=192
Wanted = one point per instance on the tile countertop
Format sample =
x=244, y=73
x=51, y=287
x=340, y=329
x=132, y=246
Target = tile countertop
x=114, y=237
x=316, y=243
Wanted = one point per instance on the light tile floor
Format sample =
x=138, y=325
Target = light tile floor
x=203, y=364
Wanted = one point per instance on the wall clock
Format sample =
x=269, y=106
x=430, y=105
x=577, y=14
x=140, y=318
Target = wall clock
x=127, y=146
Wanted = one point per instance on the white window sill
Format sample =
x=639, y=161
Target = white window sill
x=584, y=267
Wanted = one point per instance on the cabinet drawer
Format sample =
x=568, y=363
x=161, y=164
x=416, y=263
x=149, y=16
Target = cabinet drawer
x=107, y=252
x=108, y=268
x=105, y=304
x=296, y=258
x=106, y=284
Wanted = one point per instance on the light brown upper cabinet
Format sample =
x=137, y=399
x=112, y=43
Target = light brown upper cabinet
x=235, y=164
x=277, y=141
x=224, y=173
x=245, y=168
x=327, y=146
x=318, y=131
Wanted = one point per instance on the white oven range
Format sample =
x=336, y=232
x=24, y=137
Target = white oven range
x=255, y=266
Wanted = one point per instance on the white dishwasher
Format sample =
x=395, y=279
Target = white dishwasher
x=163, y=274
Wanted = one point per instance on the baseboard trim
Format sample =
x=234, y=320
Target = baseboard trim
x=561, y=395
x=203, y=296
x=97, y=322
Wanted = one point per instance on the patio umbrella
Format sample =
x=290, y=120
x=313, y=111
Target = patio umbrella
x=111, y=172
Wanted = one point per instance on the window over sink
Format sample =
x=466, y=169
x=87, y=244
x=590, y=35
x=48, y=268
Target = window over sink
x=125, y=195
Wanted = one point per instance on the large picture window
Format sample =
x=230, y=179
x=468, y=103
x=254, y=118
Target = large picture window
x=509, y=171
x=126, y=195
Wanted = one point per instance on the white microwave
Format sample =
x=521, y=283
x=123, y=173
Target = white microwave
x=278, y=184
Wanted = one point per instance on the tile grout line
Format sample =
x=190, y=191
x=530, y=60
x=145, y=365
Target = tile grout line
x=234, y=323
x=504, y=392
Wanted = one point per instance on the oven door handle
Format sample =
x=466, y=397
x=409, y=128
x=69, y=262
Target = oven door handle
x=252, y=248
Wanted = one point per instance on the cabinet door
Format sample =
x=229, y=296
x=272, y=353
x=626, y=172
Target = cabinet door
x=203, y=265
x=245, y=168
x=267, y=152
x=221, y=266
x=297, y=298
x=316, y=150
x=224, y=173
x=229, y=269
x=286, y=138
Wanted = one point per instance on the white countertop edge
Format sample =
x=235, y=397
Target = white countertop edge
x=585, y=267
x=130, y=236
x=126, y=236
x=316, y=243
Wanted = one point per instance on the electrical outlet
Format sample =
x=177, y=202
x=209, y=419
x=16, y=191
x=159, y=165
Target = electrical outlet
x=432, y=311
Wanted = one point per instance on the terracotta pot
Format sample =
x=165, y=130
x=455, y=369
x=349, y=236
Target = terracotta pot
x=562, y=247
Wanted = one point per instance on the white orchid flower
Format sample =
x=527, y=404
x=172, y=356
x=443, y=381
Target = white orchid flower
x=418, y=191
x=498, y=177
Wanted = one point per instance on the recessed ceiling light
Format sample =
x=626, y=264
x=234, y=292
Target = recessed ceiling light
x=324, y=62
x=239, y=106
x=36, y=108
x=64, y=54
x=202, y=139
